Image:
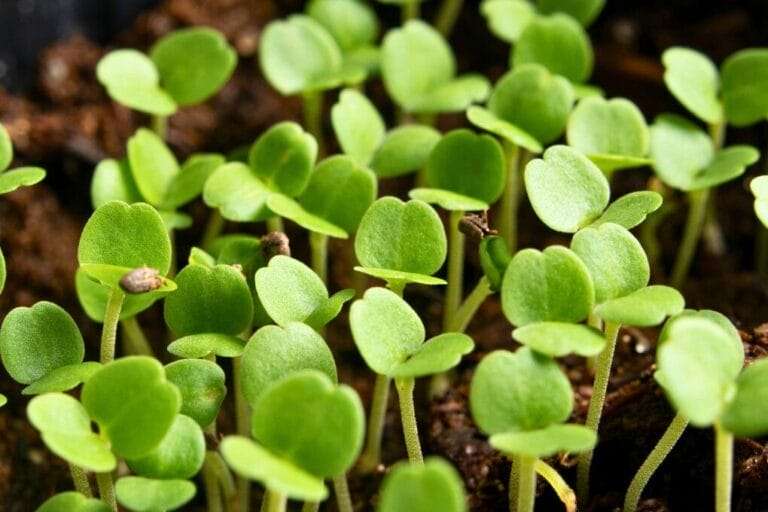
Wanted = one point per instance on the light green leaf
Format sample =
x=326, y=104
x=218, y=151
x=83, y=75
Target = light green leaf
x=436, y=355
x=585, y=11
x=72, y=501
x=400, y=276
x=153, y=165
x=351, y=23
x=759, y=187
x=112, y=181
x=630, y=210
x=567, y=191
x=6, y=149
x=546, y=442
x=643, y=308
x=434, y=485
x=180, y=454
x=238, y=193
x=507, y=18
x=66, y=431
x=404, y=150
x=679, y=150
x=283, y=158
x=454, y=96
x=729, y=163
x=744, y=86
x=202, y=387
x=62, y=379
x=450, y=201
x=131, y=79
x=693, y=79
x=147, y=495
x=3, y=271
x=20, y=177
x=615, y=259
x=196, y=346
x=330, y=309
x=741, y=417
x=356, y=122
x=286, y=207
x=558, y=339
x=189, y=182
x=487, y=120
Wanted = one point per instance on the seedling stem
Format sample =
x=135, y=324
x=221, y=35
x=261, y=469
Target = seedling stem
x=653, y=461
x=109, y=329
x=371, y=456
x=213, y=229
x=313, y=118
x=595, y=411
x=471, y=304
x=160, y=126
x=273, y=502
x=275, y=224
x=80, y=479
x=319, y=244
x=242, y=418
x=560, y=486
x=510, y=199
x=447, y=16
x=107, y=489
x=408, y=418
x=455, y=286
x=526, y=488
x=723, y=469
x=310, y=506
x=410, y=11
x=343, y=498
x=211, y=481
x=135, y=340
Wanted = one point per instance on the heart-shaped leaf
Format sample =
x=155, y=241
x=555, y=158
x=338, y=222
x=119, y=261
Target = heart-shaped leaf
x=133, y=404
x=251, y=461
x=180, y=454
x=197, y=346
x=585, y=11
x=759, y=187
x=37, y=340
x=202, y=387
x=567, y=191
x=113, y=181
x=615, y=259
x=189, y=182
x=194, y=63
x=283, y=158
x=128, y=236
x=519, y=391
x=630, y=210
x=558, y=339
x=66, y=431
x=351, y=23
x=153, y=165
x=695, y=361
x=434, y=485
x=404, y=150
x=679, y=150
x=63, y=378
x=357, y=124
x=547, y=441
x=147, y=495
x=507, y=18
x=6, y=149
x=693, y=79
x=239, y=195
x=286, y=207
x=447, y=200
x=72, y=501
x=299, y=55
x=612, y=133
x=419, y=71
x=390, y=337
x=534, y=100
x=339, y=192
x=275, y=352
x=558, y=43
x=209, y=300
x=468, y=164
x=553, y=285
x=744, y=85
x=741, y=417
x=20, y=177
x=643, y=308
x=407, y=238
x=131, y=79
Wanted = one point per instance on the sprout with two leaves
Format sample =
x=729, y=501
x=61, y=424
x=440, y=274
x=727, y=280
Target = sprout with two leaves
x=433, y=485
x=294, y=448
x=185, y=67
x=685, y=157
x=521, y=400
x=391, y=338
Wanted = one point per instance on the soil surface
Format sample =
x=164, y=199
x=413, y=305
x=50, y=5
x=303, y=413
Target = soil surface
x=67, y=124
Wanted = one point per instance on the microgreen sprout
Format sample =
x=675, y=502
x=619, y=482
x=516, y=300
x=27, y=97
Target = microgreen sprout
x=434, y=485
x=521, y=400
x=390, y=336
x=183, y=68
x=72, y=501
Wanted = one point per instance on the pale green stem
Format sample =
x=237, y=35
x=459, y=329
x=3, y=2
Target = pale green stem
x=653, y=461
x=275, y=224
x=242, y=419
x=313, y=118
x=371, y=456
x=447, y=16
x=80, y=479
x=410, y=11
x=723, y=469
x=343, y=498
x=514, y=483
x=211, y=481
x=273, y=502
x=510, y=198
x=471, y=304
x=408, y=418
x=526, y=489
x=697, y=214
x=134, y=338
x=160, y=126
x=310, y=506
x=226, y=481
x=107, y=489
x=359, y=280
x=318, y=242
x=213, y=229
x=174, y=263
x=109, y=328
x=558, y=484
x=455, y=288
x=594, y=413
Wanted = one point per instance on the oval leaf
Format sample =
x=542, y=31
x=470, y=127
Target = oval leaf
x=434, y=485
x=147, y=495
x=693, y=79
x=180, y=454
x=20, y=177
x=238, y=193
x=283, y=158
x=63, y=378
x=404, y=150
x=644, y=308
x=558, y=339
x=202, y=345
x=741, y=417
x=679, y=150
x=357, y=124
x=72, y=501
x=153, y=165
x=202, y=387
x=744, y=85
x=547, y=441
x=131, y=79
x=630, y=210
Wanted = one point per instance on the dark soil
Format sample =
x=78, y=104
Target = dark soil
x=67, y=124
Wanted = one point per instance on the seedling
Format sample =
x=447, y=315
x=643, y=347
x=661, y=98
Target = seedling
x=401, y=243
x=434, y=485
x=528, y=108
x=147, y=495
x=390, y=336
x=285, y=454
x=186, y=67
x=72, y=501
x=521, y=400
x=280, y=160
x=465, y=172
x=202, y=387
x=291, y=292
x=419, y=72
x=337, y=195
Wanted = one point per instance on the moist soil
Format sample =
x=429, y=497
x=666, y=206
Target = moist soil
x=67, y=124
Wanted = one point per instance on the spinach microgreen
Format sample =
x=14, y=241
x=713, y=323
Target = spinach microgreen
x=390, y=336
x=434, y=485
x=521, y=400
x=149, y=495
x=419, y=72
x=185, y=67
